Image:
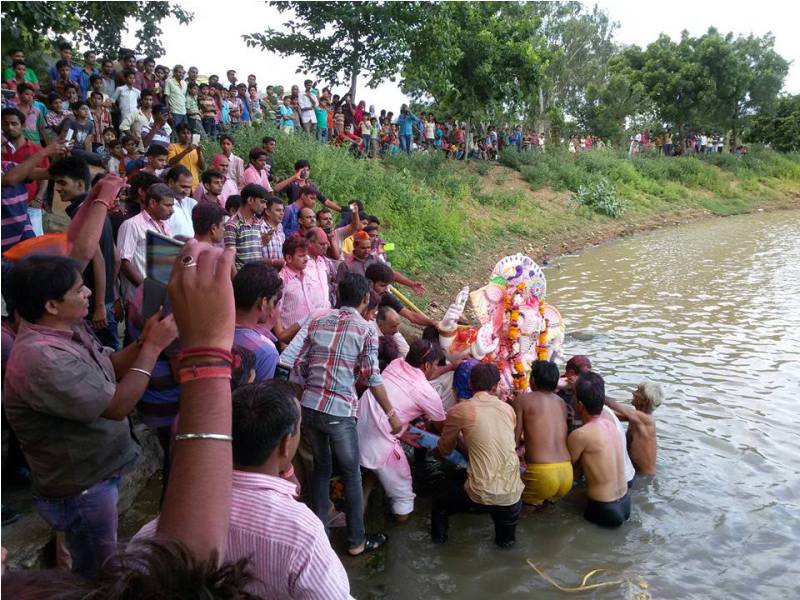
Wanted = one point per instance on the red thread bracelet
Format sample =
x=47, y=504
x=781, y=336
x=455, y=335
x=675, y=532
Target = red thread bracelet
x=204, y=352
x=195, y=373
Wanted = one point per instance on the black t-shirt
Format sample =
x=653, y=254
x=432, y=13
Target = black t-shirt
x=270, y=167
x=293, y=192
x=390, y=300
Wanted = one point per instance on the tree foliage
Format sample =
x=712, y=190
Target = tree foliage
x=95, y=25
x=474, y=57
x=780, y=127
x=339, y=41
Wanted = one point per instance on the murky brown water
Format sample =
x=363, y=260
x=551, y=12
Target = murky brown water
x=712, y=312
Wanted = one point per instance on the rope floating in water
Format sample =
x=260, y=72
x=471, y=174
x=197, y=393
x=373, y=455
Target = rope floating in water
x=585, y=585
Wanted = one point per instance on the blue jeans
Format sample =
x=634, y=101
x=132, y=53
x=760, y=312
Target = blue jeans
x=405, y=144
x=322, y=135
x=325, y=432
x=210, y=127
x=110, y=335
x=366, y=139
x=89, y=521
x=178, y=120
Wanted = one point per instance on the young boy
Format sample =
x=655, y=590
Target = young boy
x=321, y=110
x=641, y=425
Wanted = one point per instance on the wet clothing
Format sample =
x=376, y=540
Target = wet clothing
x=609, y=514
x=549, y=481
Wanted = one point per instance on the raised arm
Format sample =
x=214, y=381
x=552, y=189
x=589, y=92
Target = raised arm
x=86, y=226
x=202, y=467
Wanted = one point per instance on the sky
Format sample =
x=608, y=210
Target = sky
x=216, y=45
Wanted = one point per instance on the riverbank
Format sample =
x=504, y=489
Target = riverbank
x=450, y=221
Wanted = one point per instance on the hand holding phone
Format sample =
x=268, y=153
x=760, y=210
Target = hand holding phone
x=195, y=140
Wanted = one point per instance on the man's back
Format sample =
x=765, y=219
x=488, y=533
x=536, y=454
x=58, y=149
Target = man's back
x=642, y=443
x=598, y=446
x=544, y=421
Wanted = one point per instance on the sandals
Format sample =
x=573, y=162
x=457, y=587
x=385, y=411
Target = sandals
x=372, y=541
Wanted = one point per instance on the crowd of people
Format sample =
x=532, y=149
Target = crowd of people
x=274, y=363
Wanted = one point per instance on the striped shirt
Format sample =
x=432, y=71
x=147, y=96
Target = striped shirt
x=302, y=293
x=285, y=542
x=246, y=237
x=273, y=249
x=16, y=225
x=339, y=349
x=263, y=349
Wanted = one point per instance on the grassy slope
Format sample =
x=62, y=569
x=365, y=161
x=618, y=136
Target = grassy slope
x=451, y=221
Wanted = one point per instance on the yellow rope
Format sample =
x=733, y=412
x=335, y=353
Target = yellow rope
x=583, y=586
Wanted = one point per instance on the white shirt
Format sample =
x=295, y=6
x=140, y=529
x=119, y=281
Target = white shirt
x=630, y=471
x=132, y=245
x=128, y=98
x=305, y=104
x=180, y=223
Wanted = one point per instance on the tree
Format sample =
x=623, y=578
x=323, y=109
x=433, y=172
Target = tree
x=473, y=57
x=671, y=77
x=339, y=41
x=95, y=25
x=780, y=128
x=580, y=47
x=607, y=105
x=747, y=75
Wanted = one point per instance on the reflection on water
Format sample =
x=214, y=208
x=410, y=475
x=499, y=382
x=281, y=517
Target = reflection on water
x=712, y=312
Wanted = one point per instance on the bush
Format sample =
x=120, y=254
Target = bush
x=601, y=196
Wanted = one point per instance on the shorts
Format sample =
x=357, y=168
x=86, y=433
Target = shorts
x=395, y=477
x=549, y=481
x=609, y=514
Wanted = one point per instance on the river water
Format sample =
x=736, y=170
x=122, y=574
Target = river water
x=711, y=311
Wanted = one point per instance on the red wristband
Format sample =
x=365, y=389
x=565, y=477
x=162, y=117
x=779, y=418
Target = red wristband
x=203, y=352
x=195, y=373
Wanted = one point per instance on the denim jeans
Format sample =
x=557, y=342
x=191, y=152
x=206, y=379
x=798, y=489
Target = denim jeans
x=405, y=144
x=210, y=127
x=455, y=500
x=325, y=433
x=178, y=120
x=109, y=336
x=322, y=135
x=89, y=520
x=366, y=139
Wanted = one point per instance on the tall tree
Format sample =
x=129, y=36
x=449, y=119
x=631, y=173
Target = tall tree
x=747, y=75
x=671, y=77
x=95, y=25
x=581, y=44
x=473, y=57
x=339, y=41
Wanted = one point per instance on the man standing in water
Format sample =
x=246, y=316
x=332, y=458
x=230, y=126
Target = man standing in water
x=596, y=445
x=543, y=417
x=641, y=425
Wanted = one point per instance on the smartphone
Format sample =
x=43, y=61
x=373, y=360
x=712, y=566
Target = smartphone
x=282, y=372
x=195, y=139
x=68, y=135
x=161, y=253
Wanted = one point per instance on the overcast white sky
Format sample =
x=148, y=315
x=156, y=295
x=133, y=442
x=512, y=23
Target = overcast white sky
x=213, y=42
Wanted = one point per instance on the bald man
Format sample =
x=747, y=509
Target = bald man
x=388, y=322
x=320, y=268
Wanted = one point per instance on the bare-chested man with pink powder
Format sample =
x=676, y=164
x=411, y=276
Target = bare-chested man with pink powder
x=598, y=448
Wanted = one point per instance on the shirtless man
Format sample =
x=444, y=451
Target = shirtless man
x=641, y=425
x=597, y=446
x=543, y=417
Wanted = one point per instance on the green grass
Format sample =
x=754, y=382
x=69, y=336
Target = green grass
x=435, y=210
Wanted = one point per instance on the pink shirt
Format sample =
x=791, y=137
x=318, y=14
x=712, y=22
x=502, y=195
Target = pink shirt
x=285, y=542
x=253, y=175
x=301, y=295
x=411, y=396
x=228, y=189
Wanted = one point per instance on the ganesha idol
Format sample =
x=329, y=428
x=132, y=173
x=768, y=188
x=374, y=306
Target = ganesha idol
x=516, y=327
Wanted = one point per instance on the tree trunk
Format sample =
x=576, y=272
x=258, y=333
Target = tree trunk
x=467, y=137
x=354, y=78
x=733, y=131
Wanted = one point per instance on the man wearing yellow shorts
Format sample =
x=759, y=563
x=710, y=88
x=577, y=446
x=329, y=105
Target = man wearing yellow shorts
x=542, y=423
